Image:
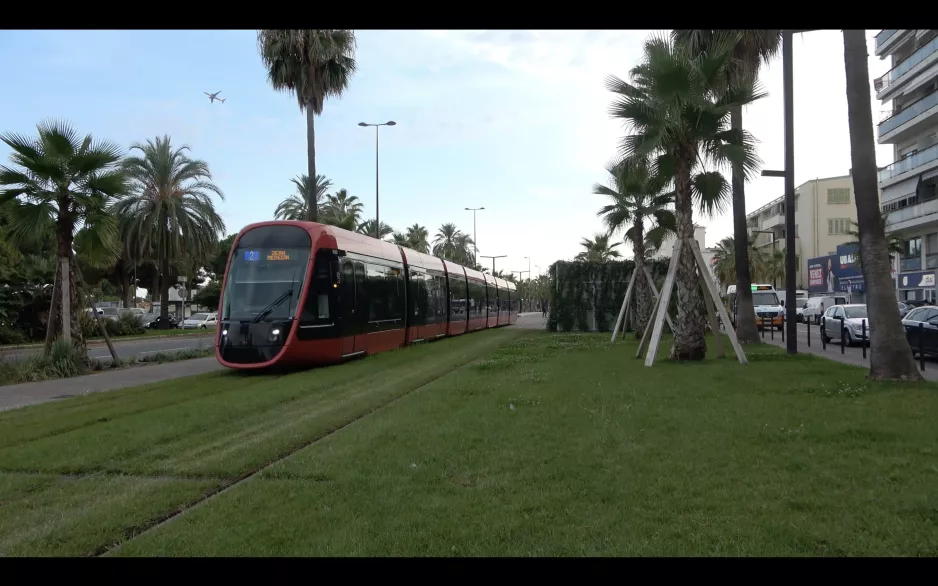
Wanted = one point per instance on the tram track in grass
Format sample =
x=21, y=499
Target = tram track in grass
x=82, y=476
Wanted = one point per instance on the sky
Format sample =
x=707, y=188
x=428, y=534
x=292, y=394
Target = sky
x=513, y=121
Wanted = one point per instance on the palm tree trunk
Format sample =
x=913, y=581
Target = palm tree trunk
x=68, y=300
x=746, y=329
x=53, y=319
x=890, y=355
x=643, y=300
x=689, y=342
x=164, y=290
x=312, y=211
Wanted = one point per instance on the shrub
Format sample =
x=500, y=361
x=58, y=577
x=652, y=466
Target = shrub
x=125, y=325
x=64, y=360
x=8, y=336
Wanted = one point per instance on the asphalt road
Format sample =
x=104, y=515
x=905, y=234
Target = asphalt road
x=130, y=348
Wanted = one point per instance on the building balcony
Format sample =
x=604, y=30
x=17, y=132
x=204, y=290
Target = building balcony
x=910, y=264
x=887, y=39
x=773, y=221
x=910, y=217
x=904, y=123
x=780, y=244
x=914, y=163
x=891, y=78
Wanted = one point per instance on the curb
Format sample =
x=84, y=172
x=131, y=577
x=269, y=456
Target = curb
x=101, y=342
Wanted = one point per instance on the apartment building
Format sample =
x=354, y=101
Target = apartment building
x=908, y=186
x=700, y=235
x=824, y=214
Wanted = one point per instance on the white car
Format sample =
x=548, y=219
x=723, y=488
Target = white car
x=201, y=321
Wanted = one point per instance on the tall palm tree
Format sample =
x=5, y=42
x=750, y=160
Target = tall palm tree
x=465, y=250
x=70, y=180
x=400, y=239
x=890, y=354
x=754, y=48
x=368, y=229
x=451, y=244
x=297, y=205
x=636, y=197
x=342, y=210
x=679, y=114
x=170, y=210
x=313, y=64
x=598, y=249
x=417, y=238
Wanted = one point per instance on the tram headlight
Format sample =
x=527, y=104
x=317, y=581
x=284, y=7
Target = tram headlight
x=274, y=334
x=224, y=332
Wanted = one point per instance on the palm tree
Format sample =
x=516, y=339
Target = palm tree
x=894, y=242
x=342, y=210
x=754, y=48
x=368, y=229
x=465, y=250
x=170, y=210
x=313, y=64
x=297, y=205
x=680, y=117
x=451, y=244
x=417, y=238
x=890, y=354
x=400, y=239
x=598, y=249
x=637, y=196
x=69, y=179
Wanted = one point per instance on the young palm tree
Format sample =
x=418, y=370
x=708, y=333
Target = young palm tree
x=297, y=205
x=637, y=197
x=342, y=210
x=598, y=249
x=170, y=211
x=68, y=179
x=890, y=354
x=417, y=238
x=679, y=113
x=754, y=48
x=312, y=64
x=894, y=243
x=368, y=229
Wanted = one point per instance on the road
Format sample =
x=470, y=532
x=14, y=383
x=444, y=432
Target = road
x=852, y=355
x=129, y=348
x=13, y=396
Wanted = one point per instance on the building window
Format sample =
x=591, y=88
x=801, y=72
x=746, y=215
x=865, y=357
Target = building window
x=796, y=230
x=931, y=243
x=838, y=226
x=838, y=195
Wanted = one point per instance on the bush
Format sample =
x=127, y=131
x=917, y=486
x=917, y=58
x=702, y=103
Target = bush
x=8, y=336
x=125, y=325
x=64, y=360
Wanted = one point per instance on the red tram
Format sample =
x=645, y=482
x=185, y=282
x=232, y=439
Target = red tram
x=303, y=293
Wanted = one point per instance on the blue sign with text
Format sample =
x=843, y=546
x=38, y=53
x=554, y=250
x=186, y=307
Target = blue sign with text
x=252, y=255
x=917, y=280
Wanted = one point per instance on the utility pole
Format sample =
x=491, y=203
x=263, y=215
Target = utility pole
x=377, y=219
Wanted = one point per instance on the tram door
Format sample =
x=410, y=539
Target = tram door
x=347, y=297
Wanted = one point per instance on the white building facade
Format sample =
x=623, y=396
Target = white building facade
x=908, y=186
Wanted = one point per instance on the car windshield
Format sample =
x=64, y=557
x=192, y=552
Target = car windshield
x=266, y=265
x=199, y=317
x=764, y=298
x=855, y=312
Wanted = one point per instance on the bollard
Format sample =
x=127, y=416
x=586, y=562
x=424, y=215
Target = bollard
x=807, y=325
x=762, y=319
x=921, y=344
x=783, y=327
x=823, y=331
x=863, y=341
x=843, y=334
x=771, y=329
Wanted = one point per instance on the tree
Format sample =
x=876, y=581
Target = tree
x=890, y=355
x=313, y=64
x=417, y=238
x=451, y=244
x=170, y=210
x=209, y=296
x=598, y=249
x=679, y=113
x=368, y=229
x=219, y=261
x=753, y=48
x=637, y=196
x=69, y=180
x=894, y=242
x=342, y=210
x=297, y=205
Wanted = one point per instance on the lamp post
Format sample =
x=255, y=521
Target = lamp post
x=493, y=261
x=377, y=219
x=529, y=266
x=475, y=243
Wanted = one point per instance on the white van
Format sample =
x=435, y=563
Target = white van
x=815, y=307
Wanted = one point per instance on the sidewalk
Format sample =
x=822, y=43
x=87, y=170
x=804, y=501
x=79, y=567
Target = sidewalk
x=14, y=396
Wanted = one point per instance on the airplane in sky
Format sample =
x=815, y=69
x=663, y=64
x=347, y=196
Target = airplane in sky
x=213, y=97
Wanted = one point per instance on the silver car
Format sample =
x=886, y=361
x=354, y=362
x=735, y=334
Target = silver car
x=853, y=317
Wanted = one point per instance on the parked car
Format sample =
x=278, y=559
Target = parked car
x=201, y=321
x=904, y=309
x=156, y=324
x=927, y=316
x=854, y=317
x=815, y=307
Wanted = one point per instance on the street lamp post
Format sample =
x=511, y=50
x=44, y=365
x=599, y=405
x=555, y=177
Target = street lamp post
x=377, y=219
x=475, y=243
x=493, y=261
x=529, y=266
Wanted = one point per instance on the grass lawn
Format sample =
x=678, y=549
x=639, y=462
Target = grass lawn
x=513, y=444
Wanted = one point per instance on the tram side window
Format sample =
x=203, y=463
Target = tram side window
x=394, y=281
x=429, y=308
x=439, y=310
x=385, y=288
x=418, y=288
x=457, y=297
x=316, y=308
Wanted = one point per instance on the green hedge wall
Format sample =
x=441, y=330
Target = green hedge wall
x=578, y=289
